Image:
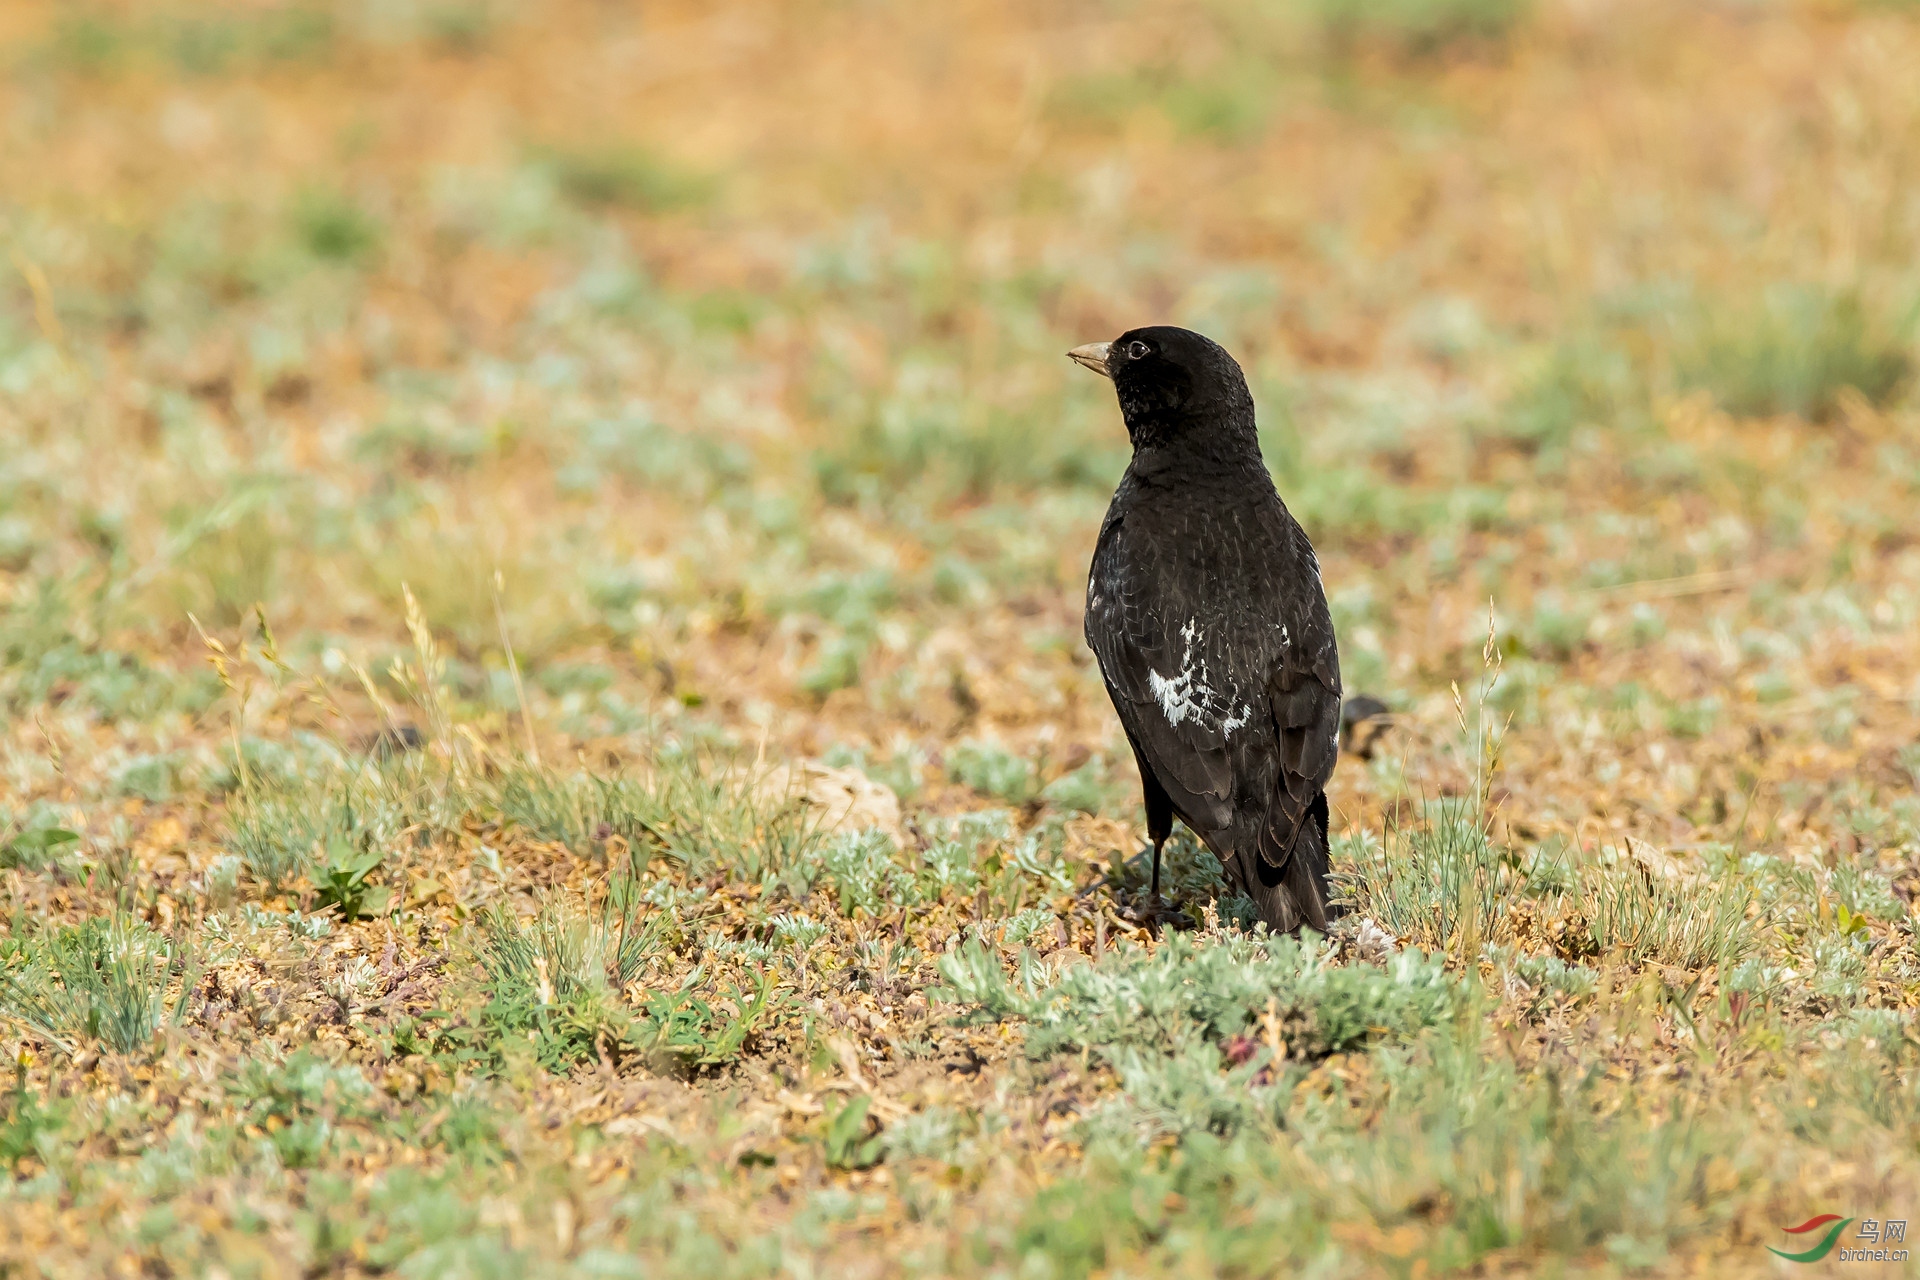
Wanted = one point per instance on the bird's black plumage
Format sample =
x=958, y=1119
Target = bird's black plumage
x=1206, y=611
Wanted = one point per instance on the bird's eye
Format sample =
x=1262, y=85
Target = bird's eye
x=1136, y=349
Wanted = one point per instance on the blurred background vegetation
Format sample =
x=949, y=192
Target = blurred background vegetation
x=730, y=331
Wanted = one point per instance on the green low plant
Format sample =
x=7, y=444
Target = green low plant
x=299, y=1104
x=1183, y=993
x=563, y=977
x=992, y=770
x=1794, y=350
x=29, y=1124
x=1417, y=27
x=1692, y=923
x=846, y=1144
x=625, y=176
x=1438, y=883
x=699, y=809
x=549, y=977
x=341, y=880
x=691, y=1032
x=865, y=873
x=35, y=846
x=333, y=227
x=101, y=980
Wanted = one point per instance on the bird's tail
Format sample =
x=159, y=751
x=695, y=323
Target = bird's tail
x=1294, y=894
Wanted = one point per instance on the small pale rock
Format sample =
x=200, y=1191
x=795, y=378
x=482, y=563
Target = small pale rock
x=1658, y=863
x=841, y=799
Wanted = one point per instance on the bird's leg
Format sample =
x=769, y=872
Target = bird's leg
x=1159, y=827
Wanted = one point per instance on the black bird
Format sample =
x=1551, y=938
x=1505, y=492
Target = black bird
x=1205, y=609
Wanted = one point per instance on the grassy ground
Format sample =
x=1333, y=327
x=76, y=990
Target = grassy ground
x=545, y=724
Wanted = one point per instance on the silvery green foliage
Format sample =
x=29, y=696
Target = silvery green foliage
x=1191, y=1092
x=949, y=865
x=1162, y=1020
x=671, y=897
x=1864, y=891
x=1543, y=973
x=1023, y=926
x=935, y=1133
x=1043, y=861
x=1442, y=875
x=1688, y=924
x=1836, y=966
x=103, y=979
x=864, y=874
x=1556, y=974
x=281, y=826
x=1187, y=993
x=974, y=977
x=978, y=827
x=797, y=932
x=975, y=848
x=1085, y=789
x=992, y=770
x=717, y=943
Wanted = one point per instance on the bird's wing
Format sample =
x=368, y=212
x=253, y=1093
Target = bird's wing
x=1303, y=692
x=1172, y=695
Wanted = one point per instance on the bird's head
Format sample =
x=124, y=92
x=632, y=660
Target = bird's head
x=1174, y=384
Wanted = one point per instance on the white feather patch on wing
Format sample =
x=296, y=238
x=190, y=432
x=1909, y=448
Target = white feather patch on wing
x=1187, y=695
x=1180, y=699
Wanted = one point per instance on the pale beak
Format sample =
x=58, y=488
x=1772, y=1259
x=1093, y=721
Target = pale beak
x=1093, y=356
